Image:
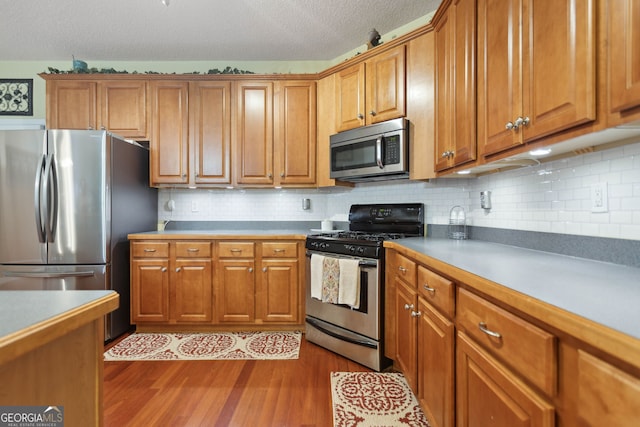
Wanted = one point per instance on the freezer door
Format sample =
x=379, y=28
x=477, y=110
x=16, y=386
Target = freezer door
x=22, y=157
x=77, y=186
x=57, y=278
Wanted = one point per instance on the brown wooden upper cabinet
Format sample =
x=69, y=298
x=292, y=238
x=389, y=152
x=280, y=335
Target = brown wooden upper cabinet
x=455, y=35
x=274, y=134
x=623, y=60
x=170, y=132
x=536, y=70
x=371, y=91
x=191, y=132
x=115, y=105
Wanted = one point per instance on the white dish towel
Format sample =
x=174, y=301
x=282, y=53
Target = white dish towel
x=349, y=288
x=316, y=276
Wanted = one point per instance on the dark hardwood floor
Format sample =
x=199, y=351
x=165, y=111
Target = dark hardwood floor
x=257, y=393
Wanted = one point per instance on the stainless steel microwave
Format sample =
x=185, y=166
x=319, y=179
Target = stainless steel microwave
x=371, y=153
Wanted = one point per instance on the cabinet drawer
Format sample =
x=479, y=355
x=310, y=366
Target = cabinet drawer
x=529, y=350
x=406, y=269
x=437, y=290
x=193, y=249
x=150, y=249
x=280, y=250
x=236, y=249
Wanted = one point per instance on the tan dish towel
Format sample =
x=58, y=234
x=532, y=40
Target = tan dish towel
x=349, y=284
x=330, y=279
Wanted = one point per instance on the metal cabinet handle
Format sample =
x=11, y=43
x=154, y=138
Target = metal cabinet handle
x=278, y=250
x=234, y=250
x=281, y=174
x=193, y=250
x=402, y=269
x=264, y=269
x=483, y=328
x=178, y=270
x=408, y=306
x=416, y=314
x=428, y=288
x=163, y=269
x=149, y=250
x=372, y=113
x=508, y=126
x=360, y=116
x=250, y=269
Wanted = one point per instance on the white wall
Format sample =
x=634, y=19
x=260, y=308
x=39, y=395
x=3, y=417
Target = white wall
x=553, y=197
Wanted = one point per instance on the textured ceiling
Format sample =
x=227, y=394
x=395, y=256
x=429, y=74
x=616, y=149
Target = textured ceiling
x=194, y=30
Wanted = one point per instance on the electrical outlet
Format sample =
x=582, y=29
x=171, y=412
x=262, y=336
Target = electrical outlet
x=599, y=197
x=194, y=206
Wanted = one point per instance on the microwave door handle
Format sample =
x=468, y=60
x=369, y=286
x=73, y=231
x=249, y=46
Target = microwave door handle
x=379, y=152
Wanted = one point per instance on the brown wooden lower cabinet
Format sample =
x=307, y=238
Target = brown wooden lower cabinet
x=231, y=283
x=436, y=337
x=489, y=395
x=473, y=361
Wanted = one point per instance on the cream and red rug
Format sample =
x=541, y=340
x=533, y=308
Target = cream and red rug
x=206, y=346
x=374, y=399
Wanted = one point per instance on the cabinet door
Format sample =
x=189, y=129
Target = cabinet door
x=407, y=333
x=559, y=66
x=277, y=292
x=123, y=108
x=487, y=394
x=500, y=23
x=192, y=284
x=444, y=92
x=456, y=82
x=149, y=290
x=170, y=132
x=623, y=60
x=350, y=93
x=436, y=338
x=607, y=396
x=210, y=131
x=295, y=132
x=385, y=86
x=71, y=104
x=253, y=137
x=235, y=291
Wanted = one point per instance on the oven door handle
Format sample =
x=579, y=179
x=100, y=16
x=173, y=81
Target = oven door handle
x=362, y=262
x=317, y=325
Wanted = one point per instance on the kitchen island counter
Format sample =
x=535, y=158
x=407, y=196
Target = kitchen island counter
x=594, y=301
x=51, y=350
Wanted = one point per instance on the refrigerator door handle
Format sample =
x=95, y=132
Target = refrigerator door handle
x=37, y=198
x=44, y=274
x=51, y=197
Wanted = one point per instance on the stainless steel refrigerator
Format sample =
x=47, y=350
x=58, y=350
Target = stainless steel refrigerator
x=68, y=199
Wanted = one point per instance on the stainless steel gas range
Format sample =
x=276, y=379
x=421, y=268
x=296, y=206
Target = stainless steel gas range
x=356, y=331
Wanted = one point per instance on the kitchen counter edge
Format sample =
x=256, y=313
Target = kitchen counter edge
x=295, y=234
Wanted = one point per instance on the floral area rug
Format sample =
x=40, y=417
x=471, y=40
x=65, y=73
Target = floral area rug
x=206, y=346
x=374, y=399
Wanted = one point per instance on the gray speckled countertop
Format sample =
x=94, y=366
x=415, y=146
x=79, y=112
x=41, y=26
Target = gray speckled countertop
x=20, y=310
x=602, y=292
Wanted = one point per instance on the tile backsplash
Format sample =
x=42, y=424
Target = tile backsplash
x=551, y=197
